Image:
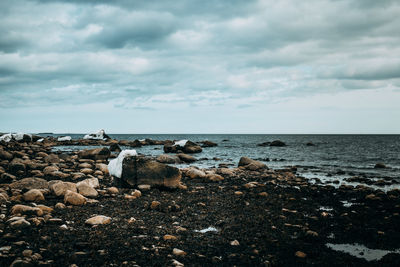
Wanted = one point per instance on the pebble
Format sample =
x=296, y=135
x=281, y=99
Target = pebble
x=60, y=206
x=136, y=193
x=177, y=263
x=300, y=254
x=99, y=219
x=169, y=237
x=113, y=190
x=155, y=204
x=144, y=187
x=21, y=223
x=178, y=252
x=235, y=243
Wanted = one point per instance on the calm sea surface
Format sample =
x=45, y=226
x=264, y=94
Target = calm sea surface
x=332, y=157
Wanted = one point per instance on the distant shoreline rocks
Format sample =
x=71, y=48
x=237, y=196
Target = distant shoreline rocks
x=278, y=143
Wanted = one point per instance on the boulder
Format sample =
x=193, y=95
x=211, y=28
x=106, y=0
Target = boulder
x=85, y=165
x=114, y=147
x=7, y=178
x=74, y=198
x=194, y=173
x=42, y=154
x=103, y=168
x=213, y=177
x=95, y=154
x=380, y=165
x=5, y=155
x=207, y=143
x=277, y=143
x=87, y=191
x=33, y=195
x=60, y=188
x=186, y=158
x=182, y=146
x=141, y=170
x=170, y=159
x=92, y=182
x=52, y=158
x=191, y=147
x=19, y=224
x=251, y=164
x=50, y=169
x=86, y=171
x=264, y=144
x=16, y=165
x=23, y=209
x=30, y=183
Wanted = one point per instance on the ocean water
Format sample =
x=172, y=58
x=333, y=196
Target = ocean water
x=332, y=157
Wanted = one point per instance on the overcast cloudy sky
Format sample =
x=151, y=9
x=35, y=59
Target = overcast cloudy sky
x=200, y=66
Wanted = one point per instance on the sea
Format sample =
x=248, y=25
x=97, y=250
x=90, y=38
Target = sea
x=333, y=157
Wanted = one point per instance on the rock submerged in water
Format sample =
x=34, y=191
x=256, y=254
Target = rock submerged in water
x=380, y=165
x=141, y=170
x=277, y=143
x=207, y=143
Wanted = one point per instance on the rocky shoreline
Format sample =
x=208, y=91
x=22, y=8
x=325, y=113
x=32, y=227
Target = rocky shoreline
x=65, y=209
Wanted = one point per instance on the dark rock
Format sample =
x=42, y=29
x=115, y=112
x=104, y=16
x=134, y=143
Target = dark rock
x=277, y=143
x=141, y=170
x=5, y=155
x=189, y=147
x=7, y=178
x=380, y=165
x=52, y=158
x=17, y=165
x=207, y=143
x=95, y=154
x=114, y=147
x=264, y=144
x=30, y=183
x=186, y=158
x=310, y=144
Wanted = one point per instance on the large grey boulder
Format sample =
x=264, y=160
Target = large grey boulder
x=138, y=170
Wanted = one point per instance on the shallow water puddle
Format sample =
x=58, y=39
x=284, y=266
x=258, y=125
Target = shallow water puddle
x=361, y=251
x=208, y=229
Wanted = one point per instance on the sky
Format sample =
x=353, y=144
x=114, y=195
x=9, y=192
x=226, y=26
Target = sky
x=211, y=66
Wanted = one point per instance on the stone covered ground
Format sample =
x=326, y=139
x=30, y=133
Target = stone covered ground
x=260, y=217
